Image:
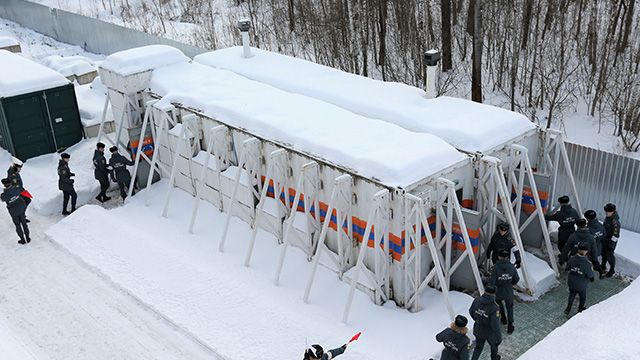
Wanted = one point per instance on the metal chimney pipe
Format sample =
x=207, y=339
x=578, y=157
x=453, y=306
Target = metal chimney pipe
x=431, y=59
x=244, y=26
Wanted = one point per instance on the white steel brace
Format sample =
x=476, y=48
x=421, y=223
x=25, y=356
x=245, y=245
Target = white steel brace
x=554, y=146
x=520, y=160
x=250, y=151
x=492, y=187
x=187, y=132
x=217, y=136
x=140, y=154
x=340, y=201
x=167, y=120
x=416, y=221
x=379, y=219
x=309, y=185
x=130, y=104
x=447, y=199
x=276, y=172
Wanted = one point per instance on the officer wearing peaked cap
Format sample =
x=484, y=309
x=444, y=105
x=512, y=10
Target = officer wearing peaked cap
x=596, y=229
x=610, y=241
x=504, y=276
x=566, y=217
x=101, y=172
x=581, y=236
x=65, y=184
x=118, y=165
x=484, y=311
x=580, y=273
x=16, y=208
x=455, y=340
x=502, y=239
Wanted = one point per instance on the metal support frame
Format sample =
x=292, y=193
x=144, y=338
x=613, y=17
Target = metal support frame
x=276, y=172
x=340, y=201
x=217, y=136
x=250, y=150
x=520, y=160
x=309, y=185
x=415, y=221
x=186, y=134
x=129, y=105
x=448, y=200
x=167, y=118
x=379, y=218
x=493, y=186
x=554, y=146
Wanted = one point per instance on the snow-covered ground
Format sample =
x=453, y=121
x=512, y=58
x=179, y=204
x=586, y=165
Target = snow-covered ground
x=122, y=282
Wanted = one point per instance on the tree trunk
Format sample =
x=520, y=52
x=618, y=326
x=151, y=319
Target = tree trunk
x=382, y=55
x=476, y=74
x=292, y=21
x=447, y=63
x=627, y=27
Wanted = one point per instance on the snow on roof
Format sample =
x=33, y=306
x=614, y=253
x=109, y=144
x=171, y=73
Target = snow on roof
x=372, y=148
x=19, y=75
x=466, y=125
x=143, y=58
x=69, y=65
x=6, y=41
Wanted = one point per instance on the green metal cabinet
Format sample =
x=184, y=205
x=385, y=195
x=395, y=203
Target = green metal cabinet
x=40, y=122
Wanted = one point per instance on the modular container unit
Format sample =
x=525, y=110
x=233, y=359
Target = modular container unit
x=478, y=129
x=38, y=108
x=189, y=102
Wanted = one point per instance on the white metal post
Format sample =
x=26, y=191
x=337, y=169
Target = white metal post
x=183, y=137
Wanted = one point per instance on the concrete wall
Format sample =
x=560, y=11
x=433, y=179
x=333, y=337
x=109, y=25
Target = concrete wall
x=91, y=34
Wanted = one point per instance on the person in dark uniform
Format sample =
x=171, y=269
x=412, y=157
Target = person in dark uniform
x=101, y=172
x=119, y=170
x=502, y=239
x=566, y=217
x=611, y=235
x=13, y=174
x=503, y=276
x=315, y=352
x=581, y=236
x=455, y=340
x=484, y=311
x=65, y=183
x=596, y=229
x=580, y=273
x=16, y=207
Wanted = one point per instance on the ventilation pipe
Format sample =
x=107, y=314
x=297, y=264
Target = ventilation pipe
x=431, y=59
x=244, y=26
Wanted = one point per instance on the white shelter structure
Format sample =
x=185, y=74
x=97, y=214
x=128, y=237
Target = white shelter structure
x=513, y=157
x=313, y=174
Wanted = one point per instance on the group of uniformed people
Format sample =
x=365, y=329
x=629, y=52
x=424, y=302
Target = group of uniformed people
x=579, y=249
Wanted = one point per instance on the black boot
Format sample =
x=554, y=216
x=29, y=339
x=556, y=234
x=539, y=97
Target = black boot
x=21, y=242
x=510, y=328
x=567, y=311
x=504, y=320
x=73, y=208
x=100, y=198
x=581, y=308
x=28, y=239
x=105, y=198
x=610, y=273
x=65, y=212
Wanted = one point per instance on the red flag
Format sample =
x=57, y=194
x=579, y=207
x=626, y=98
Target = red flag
x=355, y=337
x=26, y=193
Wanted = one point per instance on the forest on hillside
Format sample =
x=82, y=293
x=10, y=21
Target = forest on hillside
x=544, y=57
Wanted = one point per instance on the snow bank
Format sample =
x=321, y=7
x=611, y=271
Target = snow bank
x=91, y=102
x=70, y=65
x=8, y=41
x=234, y=309
x=607, y=330
x=143, y=58
x=21, y=76
x=464, y=124
x=541, y=275
x=628, y=254
x=372, y=148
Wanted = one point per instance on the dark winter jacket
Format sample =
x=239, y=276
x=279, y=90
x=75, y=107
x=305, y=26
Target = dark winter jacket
x=456, y=343
x=16, y=179
x=499, y=242
x=65, y=182
x=598, y=232
x=580, y=272
x=566, y=217
x=119, y=165
x=333, y=353
x=571, y=248
x=100, y=164
x=486, y=314
x=611, y=230
x=15, y=204
x=504, y=276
